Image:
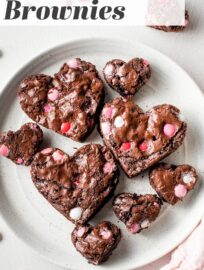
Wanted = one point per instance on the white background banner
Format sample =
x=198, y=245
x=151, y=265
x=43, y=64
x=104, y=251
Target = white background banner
x=92, y=12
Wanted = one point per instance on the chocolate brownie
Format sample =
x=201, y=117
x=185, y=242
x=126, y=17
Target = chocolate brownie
x=22, y=145
x=171, y=182
x=137, y=139
x=76, y=186
x=173, y=28
x=68, y=103
x=137, y=212
x=127, y=78
x=96, y=243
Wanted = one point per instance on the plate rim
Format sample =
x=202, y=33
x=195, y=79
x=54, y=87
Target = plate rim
x=57, y=47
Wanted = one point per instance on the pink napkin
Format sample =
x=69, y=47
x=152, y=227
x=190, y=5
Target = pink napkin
x=190, y=254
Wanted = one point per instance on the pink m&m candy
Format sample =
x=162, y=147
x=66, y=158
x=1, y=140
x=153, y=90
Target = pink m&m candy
x=125, y=146
x=57, y=155
x=106, y=128
x=106, y=234
x=19, y=161
x=180, y=191
x=46, y=151
x=134, y=228
x=109, y=70
x=143, y=146
x=65, y=127
x=146, y=63
x=53, y=94
x=80, y=232
x=169, y=130
x=107, y=112
x=4, y=150
x=73, y=63
x=47, y=108
x=107, y=167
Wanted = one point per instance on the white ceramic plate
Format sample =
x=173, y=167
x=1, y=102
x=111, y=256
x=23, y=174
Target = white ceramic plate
x=38, y=224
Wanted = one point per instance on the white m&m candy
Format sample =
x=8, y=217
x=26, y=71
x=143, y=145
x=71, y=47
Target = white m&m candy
x=53, y=94
x=73, y=63
x=58, y=156
x=145, y=224
x=75, y=213
x=106, y=128
x=109, y=69
x=119, y=122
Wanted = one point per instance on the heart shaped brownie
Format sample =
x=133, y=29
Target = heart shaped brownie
x=22, y=145
x=68, y=103
x=77, y=186
x=137, y=212
x=137, y=139
x=96, y=243
x=127, y=78
x=171, y=182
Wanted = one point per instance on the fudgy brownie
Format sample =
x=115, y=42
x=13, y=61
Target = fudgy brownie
x=68, y=103
x=171, y=182
x=127, y=78
x=137, y=139
x=22, y=145
x=96, y=243
x=173, y=28
x=137, y=212
x=76, y=186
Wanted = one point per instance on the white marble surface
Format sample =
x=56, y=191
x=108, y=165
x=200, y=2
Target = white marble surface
x=19, y=44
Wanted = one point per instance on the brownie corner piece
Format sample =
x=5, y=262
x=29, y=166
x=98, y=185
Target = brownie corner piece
x=20, y=146
x=137, y=212
x=96, y=243
x=172, y=183
x=173, y=28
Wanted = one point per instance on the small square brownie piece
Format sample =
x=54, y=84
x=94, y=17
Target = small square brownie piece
x=96, y=243
x=173, y=28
